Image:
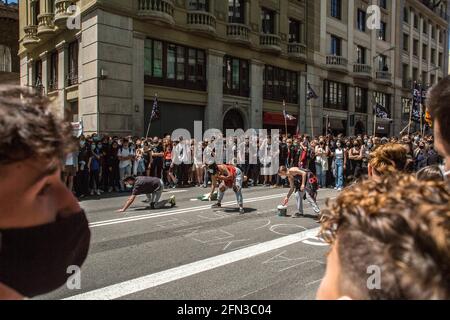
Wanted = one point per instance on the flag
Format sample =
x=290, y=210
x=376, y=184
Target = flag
x=428, y=118
x=329, y=131
x=286, y=115
x=311, y=94
x=155, y=110
x=380, y=111
x=417, y=112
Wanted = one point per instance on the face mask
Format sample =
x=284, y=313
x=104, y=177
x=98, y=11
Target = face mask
x=93, y=147
x=82, y=143
x=369, y=145
x=99, y=146
x=338, y=145
x=129, y=186
x=34, y=261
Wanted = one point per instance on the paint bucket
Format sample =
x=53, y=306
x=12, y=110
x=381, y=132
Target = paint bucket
x=282, y=211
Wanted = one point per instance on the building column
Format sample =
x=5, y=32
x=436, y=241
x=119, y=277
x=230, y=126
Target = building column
x=351, y=109
x=256, y=94
x=62, y=72
x=302, y=81
x=138, y=84
x=44, y=58
x=214, y=109
x=30, y=72
x=23, y=71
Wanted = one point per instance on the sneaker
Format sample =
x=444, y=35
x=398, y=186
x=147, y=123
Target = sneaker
x=217, y=205
x=152, y=205
x=172, y=201
x=241, y=210
x=335, y=188
x=297, y=215
x=98, y=192
x=110, y=189
x=145, y=201
x=92, y=192
x=340, y=189
x=317, y=210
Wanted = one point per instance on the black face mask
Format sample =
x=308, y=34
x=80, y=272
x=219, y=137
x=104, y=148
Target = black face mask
x=34, y=261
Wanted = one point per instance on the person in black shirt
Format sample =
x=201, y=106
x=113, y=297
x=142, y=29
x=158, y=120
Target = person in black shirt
x=150, y=186
x=157, y=158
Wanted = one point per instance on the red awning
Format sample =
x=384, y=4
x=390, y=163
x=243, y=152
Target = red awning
x=276, y=119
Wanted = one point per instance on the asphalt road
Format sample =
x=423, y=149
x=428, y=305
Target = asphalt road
x=194, y=252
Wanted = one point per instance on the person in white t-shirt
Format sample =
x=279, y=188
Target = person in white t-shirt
x=126, y=157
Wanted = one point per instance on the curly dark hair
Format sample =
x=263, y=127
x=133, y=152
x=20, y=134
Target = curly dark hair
x=29, y=128
x=401, y=225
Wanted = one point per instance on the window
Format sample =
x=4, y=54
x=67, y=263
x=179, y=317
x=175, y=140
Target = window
x=383, y=31
x=336, y=7
x=416, y=47
x=415, y=74
x=236, y=13
x=425, y=27
x=361, y=99
x=405, y=42
x=295, y=31
x=335, y=95
x=361, y=20
x=336, y=46
x=433, y=32
x=198, y=5
x=384, y=100
x=433, y=56
x=405, y=15
x=267, y=21
x=416, y=21
x=5, y=58
x=235, y=76
x=35, y=7
x=440, y=59
x=72, y=77
x=360, y=55
x=383, y=4
x=173, y=65
x=382, y=63
x=53, y=78
x=406, y=105
x=37, y=81
x=424, y=52
x=280, y=84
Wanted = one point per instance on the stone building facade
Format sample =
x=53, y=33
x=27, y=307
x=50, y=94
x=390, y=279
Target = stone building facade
x=9, y=42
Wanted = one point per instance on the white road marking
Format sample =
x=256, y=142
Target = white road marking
x=174, y=191
x=173, y=212
x=125, y=288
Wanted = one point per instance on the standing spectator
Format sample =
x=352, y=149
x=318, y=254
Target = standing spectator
x=420, y=156
x=126, y=156
x=112, y=166
x=157, y=158
x=340, y=160
x=321, y=153
x=82, y=177
x=70, y=169
x=94, y=169
x=356, y=158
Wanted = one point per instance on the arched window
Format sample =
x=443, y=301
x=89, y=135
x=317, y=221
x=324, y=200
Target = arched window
x=5, y=58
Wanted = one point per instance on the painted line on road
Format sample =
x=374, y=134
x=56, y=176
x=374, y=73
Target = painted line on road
x=174, y=212
x=125, y=288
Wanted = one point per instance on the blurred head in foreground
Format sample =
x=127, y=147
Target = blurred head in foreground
x=389, y=240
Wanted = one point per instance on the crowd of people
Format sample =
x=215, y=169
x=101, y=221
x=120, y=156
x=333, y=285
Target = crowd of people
x=102, y=162
x=396, y=220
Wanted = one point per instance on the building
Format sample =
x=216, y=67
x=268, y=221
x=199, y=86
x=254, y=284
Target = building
x=357, y=66
x=227, y=63
x=9, y=43
x=230, y=64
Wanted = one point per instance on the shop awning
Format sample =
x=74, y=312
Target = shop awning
x=277, y=119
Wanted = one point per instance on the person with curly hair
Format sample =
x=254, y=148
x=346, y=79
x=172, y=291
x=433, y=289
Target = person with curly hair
x=390, y=239
x=388, y=159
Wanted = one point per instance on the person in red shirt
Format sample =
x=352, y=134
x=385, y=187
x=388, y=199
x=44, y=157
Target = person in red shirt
x=226, y=176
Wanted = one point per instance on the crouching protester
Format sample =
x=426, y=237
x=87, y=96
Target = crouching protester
x=390, y=240
x=304, y=184
x=226, y=176
x=152, y=187
x=43, y=230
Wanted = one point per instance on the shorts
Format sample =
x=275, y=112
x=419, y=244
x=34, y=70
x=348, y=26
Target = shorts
x=70, y=170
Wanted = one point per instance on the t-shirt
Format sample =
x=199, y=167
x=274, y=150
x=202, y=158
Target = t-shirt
x=125, y=152
x=146, y=185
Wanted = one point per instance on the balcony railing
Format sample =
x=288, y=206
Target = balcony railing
x=31, y=37
x=61, y=12
x=72, y=78
x=201, y=21
x=336, y=61
x=238, y=32
x=362, y=69
x=384, y=75
x=46, y=23
x=52, y=85
x=297, y=50
x=270, y=42
x=156, y=9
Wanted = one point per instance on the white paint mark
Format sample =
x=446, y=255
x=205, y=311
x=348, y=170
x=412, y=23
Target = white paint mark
x=125, y=288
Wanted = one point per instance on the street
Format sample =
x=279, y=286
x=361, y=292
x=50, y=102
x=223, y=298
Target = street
x=194, y=252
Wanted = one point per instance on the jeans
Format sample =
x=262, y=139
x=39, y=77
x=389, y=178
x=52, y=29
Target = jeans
x=237, y=188
x=299, y=197
x=339, y=173
x=156, y=195
x=123, y=173
x=321, y=175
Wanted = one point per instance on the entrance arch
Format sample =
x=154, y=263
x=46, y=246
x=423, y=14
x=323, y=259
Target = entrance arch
x=233, y=120
x=360, y=128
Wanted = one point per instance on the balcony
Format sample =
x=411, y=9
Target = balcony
x=72, y=78
x=362, y=71
x=201, y=21
x=45, y=24
x=62, y=13
x=270, y=42
x=160, y=10
x=337, y=63
x=297, y=50
x=238, y=32
x=384, y=77
x=31, y=37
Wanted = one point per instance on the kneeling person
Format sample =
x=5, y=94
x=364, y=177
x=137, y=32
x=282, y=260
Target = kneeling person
x=300, y=184
x=150, y=186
